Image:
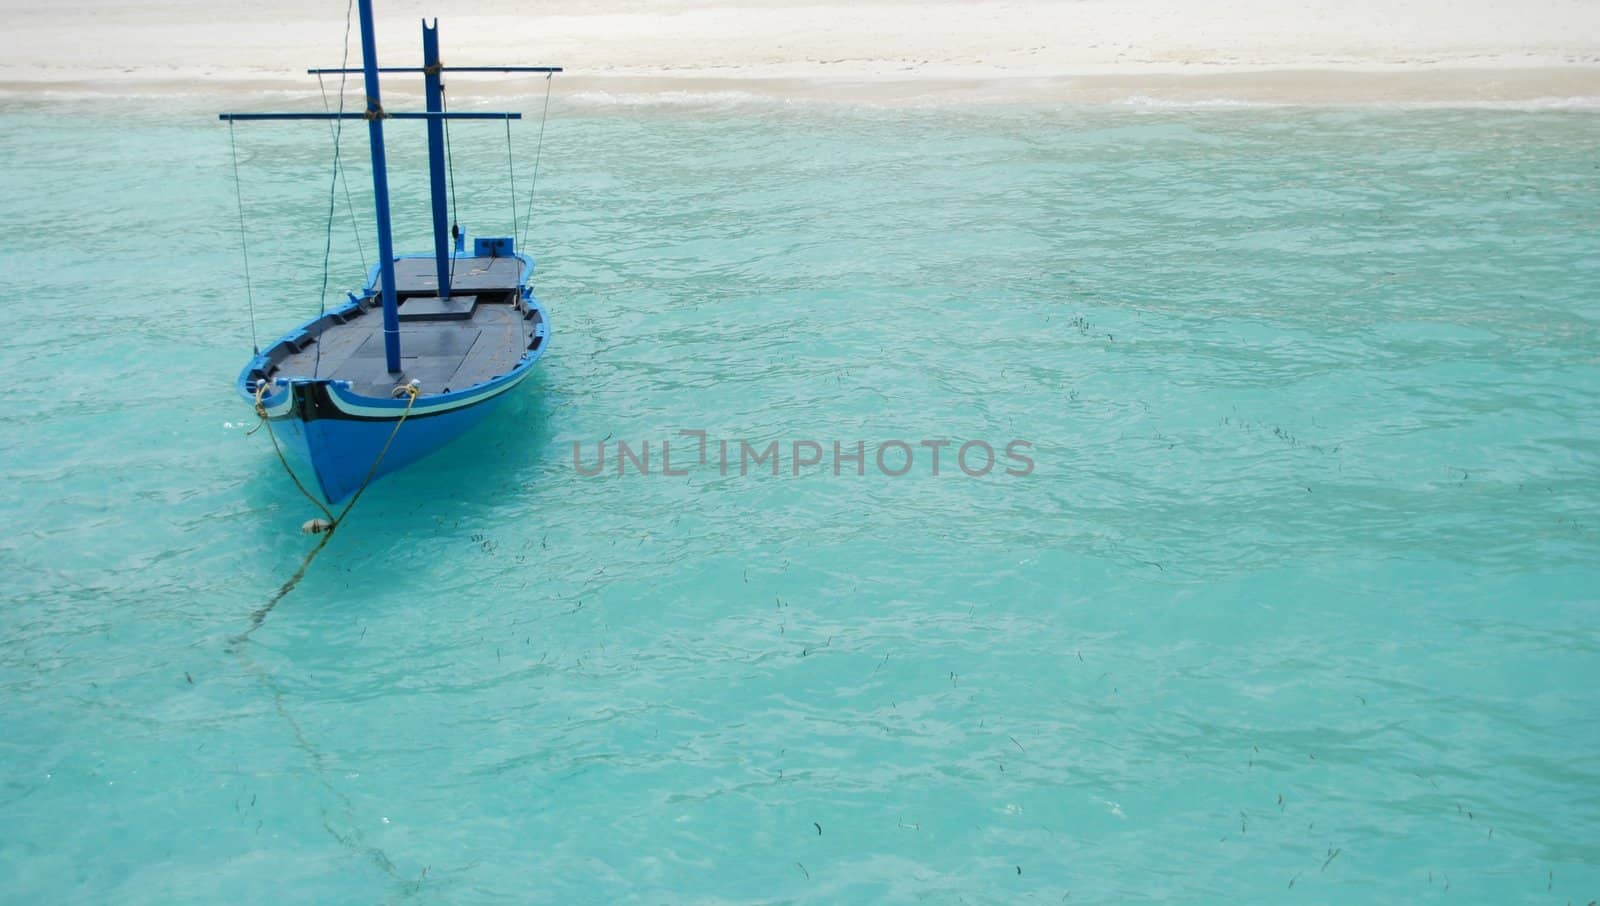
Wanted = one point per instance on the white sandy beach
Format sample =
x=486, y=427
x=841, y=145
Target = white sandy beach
x=1241, y=50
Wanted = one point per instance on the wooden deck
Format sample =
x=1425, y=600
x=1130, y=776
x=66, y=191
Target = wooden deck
x=479, y=333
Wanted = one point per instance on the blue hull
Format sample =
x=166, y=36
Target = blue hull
x=340, y=434
x=342, y=452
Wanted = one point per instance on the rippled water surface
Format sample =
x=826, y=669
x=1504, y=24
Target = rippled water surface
x=1299, y=600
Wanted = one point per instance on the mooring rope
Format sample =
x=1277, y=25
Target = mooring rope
x=317, y=526
x=351, y=837
x=538, y=153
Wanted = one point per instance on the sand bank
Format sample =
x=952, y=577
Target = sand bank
x=1093, y=50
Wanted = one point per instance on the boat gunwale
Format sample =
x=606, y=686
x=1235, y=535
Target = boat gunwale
x=279, y=403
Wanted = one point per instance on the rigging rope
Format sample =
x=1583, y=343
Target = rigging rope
x=337, y=125
x=349, y=203
x=538, y=153
x=511, y=173
x=244, y=241
x=450, y=165
x=327, y=253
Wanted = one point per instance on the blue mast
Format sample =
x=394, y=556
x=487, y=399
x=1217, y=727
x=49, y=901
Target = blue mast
x=375, y=115
x=380, y=190
x=431, y=68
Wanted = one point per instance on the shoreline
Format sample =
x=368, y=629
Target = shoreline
x=873, y=51
x=1533, y=86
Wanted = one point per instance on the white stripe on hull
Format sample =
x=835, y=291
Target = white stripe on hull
x=281, y=405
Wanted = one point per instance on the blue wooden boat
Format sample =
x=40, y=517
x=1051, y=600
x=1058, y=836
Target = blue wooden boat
x=431, y=344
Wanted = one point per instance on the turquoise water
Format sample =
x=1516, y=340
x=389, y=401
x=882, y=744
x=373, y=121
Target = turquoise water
x=1299, y=600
